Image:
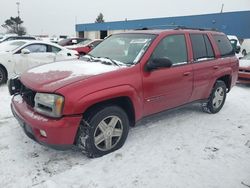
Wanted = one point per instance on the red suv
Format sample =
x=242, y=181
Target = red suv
x=91, y=103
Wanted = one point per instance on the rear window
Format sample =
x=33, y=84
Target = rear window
x=224, y=45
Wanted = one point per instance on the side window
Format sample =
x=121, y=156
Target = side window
x=173, y=47
x=210, y=52
x=36, y=48
x=54, y=49
x=202, y=48
x=224, y=45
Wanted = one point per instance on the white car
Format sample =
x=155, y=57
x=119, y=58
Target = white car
x=19, y=55
x=245, y=47
x=236, y=44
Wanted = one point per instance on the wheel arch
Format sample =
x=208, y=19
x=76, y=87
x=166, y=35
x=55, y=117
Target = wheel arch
x=123, y=102
x=124, y=96
x=227, y=79
x=5, y=70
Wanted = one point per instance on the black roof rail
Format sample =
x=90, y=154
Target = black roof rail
x=158, y=27
x=196, y=28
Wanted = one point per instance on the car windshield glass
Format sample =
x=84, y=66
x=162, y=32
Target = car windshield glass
x=247, y=57
x=84, y=42
x=63, y=42
x=11, y=46
x=125, y=48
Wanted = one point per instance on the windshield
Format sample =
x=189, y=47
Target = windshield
x=11, y=46
x=125, y=48
x=84, y=42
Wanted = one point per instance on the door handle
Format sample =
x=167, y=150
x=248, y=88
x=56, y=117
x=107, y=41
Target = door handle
x=186, y=73
x=216, y=67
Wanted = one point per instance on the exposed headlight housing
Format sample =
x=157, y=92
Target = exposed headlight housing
x=49, y=104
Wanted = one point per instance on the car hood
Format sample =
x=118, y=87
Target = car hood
x=244, y=63
x=50, y=77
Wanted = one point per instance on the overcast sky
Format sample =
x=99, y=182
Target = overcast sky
x=55, y=17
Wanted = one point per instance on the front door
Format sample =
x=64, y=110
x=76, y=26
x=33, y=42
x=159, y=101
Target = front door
x=165, y=88
x=35, y=55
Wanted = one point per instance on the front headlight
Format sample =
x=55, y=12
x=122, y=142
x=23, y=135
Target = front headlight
x=49, y=104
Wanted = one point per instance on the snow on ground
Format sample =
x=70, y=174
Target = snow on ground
x=179, y=148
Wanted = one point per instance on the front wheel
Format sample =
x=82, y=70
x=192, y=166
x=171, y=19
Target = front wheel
x=216, y=99
x=104, y=130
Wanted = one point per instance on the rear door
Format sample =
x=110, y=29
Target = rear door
x=166, y=88
x=204, y=64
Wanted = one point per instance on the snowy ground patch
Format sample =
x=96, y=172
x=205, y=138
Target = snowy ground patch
x=179, y=148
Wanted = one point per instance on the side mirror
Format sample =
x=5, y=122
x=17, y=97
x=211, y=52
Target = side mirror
x=25, y=51
x=74, y=41
x=237, y=49
x=158, y=63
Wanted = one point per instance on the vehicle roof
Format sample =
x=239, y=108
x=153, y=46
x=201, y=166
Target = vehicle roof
x=33, y=42
x=161, y=31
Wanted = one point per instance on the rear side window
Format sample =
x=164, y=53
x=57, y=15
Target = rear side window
x=224, y=45
x=202, y=48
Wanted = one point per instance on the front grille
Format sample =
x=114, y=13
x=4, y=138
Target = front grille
x=28, y=95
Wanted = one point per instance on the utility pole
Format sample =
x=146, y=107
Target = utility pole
x=18, y=13
x=18, y=9
x=222, y=6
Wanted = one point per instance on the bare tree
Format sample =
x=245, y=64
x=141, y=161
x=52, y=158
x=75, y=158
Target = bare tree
x=99, y=18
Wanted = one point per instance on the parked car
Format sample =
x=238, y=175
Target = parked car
x=244, y=69
x=85, y=47
x=71, y=41
x=245, y=47
x=91, y=103
x=10, y=38
x=236, y=44
x=20, y=55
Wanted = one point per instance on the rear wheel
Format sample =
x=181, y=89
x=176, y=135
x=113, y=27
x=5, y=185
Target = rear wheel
x=103, y=131
x=216, y=99
x=244, y=53
x=3, y=76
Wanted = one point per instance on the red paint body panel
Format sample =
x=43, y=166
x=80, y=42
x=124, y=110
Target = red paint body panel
x=59, y=131
x=244, y=75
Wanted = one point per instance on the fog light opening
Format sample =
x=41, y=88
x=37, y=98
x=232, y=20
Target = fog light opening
x=43, y=133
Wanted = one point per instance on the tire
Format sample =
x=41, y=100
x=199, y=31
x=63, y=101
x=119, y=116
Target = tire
x=244, y=53
x=82, y=54
x=98, y=135
x=3, y=76
x=216, y=99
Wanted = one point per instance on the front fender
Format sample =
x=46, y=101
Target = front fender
x=91, y=99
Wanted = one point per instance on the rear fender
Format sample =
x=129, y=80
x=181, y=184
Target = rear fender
x=217, y=75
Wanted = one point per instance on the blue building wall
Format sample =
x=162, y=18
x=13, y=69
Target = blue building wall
x=234, y=23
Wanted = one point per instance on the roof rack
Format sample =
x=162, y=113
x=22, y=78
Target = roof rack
x=158, y=26
x=196, y=28
x=177, y=27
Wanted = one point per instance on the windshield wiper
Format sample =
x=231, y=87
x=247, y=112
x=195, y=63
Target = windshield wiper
x=109, y=62
x=113, y=61
x=87, y=57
